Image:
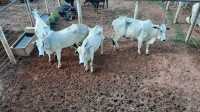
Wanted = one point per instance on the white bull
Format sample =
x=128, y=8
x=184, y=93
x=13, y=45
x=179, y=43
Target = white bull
x=138, y=30
x=93, y=41
x=41, y=28
x=190, y=19
x=56, y=40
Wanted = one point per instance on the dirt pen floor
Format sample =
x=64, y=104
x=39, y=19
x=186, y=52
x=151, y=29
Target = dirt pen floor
x=166, y=80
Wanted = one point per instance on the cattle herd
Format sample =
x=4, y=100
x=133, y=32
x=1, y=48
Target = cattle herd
x=89, y=39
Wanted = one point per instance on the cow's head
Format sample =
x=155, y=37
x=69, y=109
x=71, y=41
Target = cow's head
x=83, y=52
x=35, y=12
x=161, y=31
x=40, y=45
x=188, y=19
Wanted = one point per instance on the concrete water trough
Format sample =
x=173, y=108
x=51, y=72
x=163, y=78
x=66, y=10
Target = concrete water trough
x=45, y=17
x=23, y=46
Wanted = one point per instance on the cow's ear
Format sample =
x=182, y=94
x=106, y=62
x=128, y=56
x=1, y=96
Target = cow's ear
x=167, y=28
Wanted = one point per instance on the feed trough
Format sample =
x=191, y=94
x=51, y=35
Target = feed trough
x=23, y=46
x=45, y=17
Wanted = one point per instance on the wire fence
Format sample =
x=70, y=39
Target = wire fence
x=14, y=18
x=186, y=11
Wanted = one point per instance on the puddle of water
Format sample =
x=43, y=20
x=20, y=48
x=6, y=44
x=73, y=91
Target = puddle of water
x=44, y=17
x=24, y=41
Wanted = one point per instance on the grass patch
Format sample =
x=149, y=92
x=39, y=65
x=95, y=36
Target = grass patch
x=62, y=2
x=53, y=19
x=180, y=35
x=21, y=30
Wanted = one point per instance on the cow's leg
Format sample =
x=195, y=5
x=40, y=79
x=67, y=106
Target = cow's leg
x=58, y=54
x=91, y=66
x=139, y=45
x=91, y=63
x=97, y=7
x=49, y=57
x=102, y=47
x=86, y=66
x=107, y=3
x=147, y=48
x=115, y=39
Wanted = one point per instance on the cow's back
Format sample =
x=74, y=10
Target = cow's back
x=139, y=29
x=121, y=24
x=67, y=37
x=95, y=37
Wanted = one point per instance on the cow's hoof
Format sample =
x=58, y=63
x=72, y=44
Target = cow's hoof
x=117, y=49
x=59, y=67
x=85, y=71
x=91, y=72
x=147, y=54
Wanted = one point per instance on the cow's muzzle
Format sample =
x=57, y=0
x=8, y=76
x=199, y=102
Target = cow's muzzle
x=81, y=63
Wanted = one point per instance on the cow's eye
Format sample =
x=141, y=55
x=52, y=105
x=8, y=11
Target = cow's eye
x=161, y=31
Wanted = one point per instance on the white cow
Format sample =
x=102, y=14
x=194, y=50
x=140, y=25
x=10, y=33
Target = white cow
x=56, y=40
x=93, y=41
x=138, y=30
x=41, y=28
x=190, y=19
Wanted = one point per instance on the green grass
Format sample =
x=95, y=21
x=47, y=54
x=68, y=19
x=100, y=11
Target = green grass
x=62, y=2
x=180, y=35
x=53, y=19
x=21, y=30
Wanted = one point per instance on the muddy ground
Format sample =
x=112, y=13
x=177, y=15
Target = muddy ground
x=166, y=80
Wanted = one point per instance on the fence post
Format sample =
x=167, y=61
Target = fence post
x=178, y=11
x=136, y=10
x=58, y=3
x=167, y=7
x=6, y=46
x=79, y=11
x=47, y=6
x=29, y=10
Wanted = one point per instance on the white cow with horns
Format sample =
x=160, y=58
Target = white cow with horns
x=138, y=30
x=86, y=51
x=56, y=40
x=41, y=28
x=190, y=19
